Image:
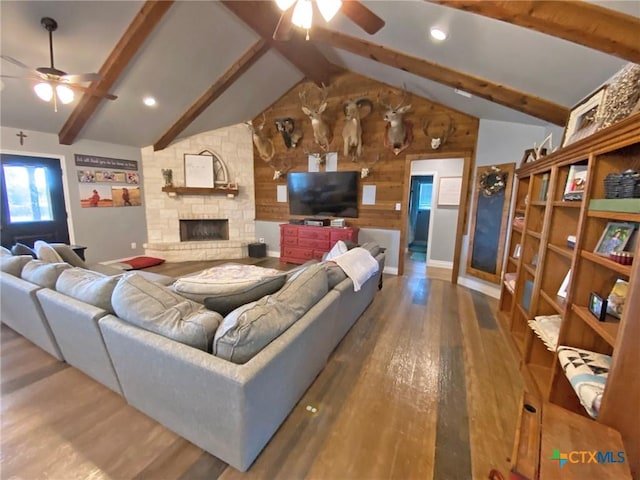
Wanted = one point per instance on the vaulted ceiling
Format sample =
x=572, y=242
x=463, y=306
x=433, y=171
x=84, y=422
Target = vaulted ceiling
x=213, y=64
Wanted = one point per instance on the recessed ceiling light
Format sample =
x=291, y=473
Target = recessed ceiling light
x=462, y=92
x=438, y=34
x=149, y=101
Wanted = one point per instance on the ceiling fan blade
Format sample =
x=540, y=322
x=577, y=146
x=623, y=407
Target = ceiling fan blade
x=90, y=91
x=16, y=62
x=82, y=77
x=284, y=27
x=362, y=16
x=20, y=78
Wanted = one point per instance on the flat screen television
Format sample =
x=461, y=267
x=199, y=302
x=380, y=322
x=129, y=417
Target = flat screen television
x=324, y=194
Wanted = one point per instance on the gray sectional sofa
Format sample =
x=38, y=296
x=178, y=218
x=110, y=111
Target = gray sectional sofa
x=229, y=409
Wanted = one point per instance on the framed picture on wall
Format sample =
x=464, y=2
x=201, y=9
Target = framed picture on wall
x=198, y=171
x=449, y=189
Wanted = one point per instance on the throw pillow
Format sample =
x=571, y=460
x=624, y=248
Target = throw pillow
x=46, y=252
x=157, y=309
x=22, y=249
x=88, y=287
x=5, y=251
x=338, y=249
x=143, y=262
x=248, y=329
x=68, y=255
x=14, y=264
x=43, y=273
x=226, y=303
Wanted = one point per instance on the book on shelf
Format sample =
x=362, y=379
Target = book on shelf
x=544, y=187
x=615, y=300
x=562, y=291
x=526, y=295
x=576, y=183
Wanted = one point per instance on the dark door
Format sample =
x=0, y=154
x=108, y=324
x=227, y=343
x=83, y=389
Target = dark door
x=32, y=200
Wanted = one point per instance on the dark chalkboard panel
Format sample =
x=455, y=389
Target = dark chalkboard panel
x=488, y=226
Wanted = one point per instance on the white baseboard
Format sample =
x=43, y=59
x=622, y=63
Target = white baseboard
x=479, y=286
x=390, y=270
x=439, y=264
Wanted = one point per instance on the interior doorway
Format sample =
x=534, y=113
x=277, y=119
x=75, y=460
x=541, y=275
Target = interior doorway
x=420, y=201
x=33, y=204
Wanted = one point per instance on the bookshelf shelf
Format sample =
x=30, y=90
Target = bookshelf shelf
x=542, y=235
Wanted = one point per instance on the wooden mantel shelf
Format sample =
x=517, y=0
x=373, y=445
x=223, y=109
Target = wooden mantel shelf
x=199, y=191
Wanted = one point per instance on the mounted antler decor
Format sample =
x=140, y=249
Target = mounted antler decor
x=320, y=157
x=366, y=171
x=399, y=132
x=290, y=134
x=438, y=133
x=264, y=145
x=354, y=111
x=281, y=171
x=321, y=130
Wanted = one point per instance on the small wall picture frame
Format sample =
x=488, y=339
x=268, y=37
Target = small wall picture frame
x=597, y=306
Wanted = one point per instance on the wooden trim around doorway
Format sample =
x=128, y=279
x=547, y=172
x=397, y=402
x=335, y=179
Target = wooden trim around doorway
x=469, y=161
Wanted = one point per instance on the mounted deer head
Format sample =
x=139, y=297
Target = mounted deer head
x=398, y=134
x=354, y=111
x=264, y=145
x=290, y=134
x=321, y=130
x=438, y=134
x=366, y=171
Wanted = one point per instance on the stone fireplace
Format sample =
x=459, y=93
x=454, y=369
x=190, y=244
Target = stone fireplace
x=202, y=230
x=207, y=226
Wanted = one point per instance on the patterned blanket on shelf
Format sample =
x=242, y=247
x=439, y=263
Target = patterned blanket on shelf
x=587, y=372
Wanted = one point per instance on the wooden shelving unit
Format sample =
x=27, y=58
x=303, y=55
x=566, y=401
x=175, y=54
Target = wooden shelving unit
x=545, y=261
x=200, y=191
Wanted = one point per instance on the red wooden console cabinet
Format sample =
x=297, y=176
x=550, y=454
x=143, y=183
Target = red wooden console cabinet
x=300, y=243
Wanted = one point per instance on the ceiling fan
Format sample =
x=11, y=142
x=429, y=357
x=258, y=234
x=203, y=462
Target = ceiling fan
x=50, y=77
x=300, y=13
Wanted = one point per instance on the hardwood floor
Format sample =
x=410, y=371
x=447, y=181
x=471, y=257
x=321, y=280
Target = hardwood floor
x=423, y=386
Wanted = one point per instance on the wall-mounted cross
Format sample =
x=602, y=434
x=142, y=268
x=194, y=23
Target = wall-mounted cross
x=22, y=137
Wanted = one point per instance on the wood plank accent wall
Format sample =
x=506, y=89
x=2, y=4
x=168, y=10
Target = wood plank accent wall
x=388, y=173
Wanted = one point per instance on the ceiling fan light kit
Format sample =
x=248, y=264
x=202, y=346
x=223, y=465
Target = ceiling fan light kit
x=49, y=77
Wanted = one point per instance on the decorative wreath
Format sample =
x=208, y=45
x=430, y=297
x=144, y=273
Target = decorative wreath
x=492, y=181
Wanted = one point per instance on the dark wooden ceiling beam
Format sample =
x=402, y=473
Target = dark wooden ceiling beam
x=247, y=59
x=580, y=22
x=142, y=25
x=262, y=17
x=509, y=97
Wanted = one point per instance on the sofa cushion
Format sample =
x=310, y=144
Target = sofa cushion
x=22, y=249
x=157, y=309
x=373, y=248
x=335, y=273
x=87, y=286
x=5, y=251
x=14, y=264
x=68, y=255
x=227, y=302
x=46, y=252
x=248, y=329
x=43, y=273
